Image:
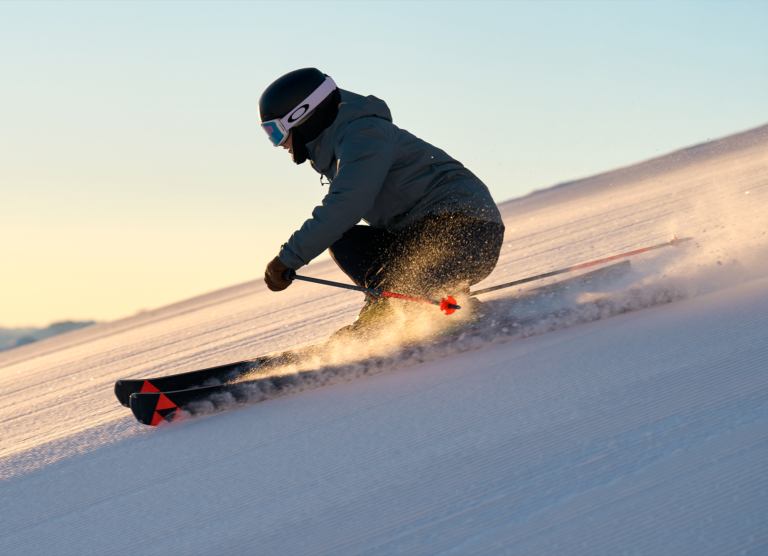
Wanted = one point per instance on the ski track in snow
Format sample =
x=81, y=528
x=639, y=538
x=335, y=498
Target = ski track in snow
x=642, y=433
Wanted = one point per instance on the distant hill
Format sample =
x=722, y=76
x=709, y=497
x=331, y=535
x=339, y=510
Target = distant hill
x=15, y=337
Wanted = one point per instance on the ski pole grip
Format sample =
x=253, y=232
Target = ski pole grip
x=289, y=274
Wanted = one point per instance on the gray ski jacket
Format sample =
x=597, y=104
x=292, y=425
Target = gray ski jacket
x=383, y=175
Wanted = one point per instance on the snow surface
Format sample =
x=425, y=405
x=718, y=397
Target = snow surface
x=643, y=433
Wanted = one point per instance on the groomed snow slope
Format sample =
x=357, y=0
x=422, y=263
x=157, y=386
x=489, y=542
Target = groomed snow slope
x=645, y=433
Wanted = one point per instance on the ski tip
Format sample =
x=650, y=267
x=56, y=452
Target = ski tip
x=153, y=408
x=120, y=394
x=148, y=387
x=675, y=241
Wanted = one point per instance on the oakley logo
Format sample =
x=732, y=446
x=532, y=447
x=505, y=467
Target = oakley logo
x=298, y=113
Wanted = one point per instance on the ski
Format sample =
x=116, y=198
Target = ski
x=152, y=407
x=230, y=372
x=158, y=407
x=220, y=374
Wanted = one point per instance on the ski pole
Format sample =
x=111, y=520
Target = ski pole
x=447, y=305
x=674, y=242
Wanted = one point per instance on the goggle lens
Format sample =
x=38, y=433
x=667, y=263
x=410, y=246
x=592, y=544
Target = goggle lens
x=275, y=134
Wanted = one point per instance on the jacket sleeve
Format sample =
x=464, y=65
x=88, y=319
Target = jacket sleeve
x=364, y=159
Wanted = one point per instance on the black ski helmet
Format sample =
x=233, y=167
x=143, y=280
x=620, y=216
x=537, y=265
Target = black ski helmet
x=286, y=93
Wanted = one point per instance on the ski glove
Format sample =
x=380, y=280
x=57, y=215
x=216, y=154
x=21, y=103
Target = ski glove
x=273, y=276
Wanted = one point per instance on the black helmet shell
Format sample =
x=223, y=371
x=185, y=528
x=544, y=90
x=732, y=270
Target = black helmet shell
x=287, y=92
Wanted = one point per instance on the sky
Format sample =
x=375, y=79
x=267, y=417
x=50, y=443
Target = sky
x=133, y=172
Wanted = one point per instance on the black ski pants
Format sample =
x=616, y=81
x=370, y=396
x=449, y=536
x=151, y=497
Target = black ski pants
x=441, y=254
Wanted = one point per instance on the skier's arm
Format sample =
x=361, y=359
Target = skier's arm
x=364, y=159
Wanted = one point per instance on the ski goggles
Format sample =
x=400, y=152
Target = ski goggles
x=277, y=129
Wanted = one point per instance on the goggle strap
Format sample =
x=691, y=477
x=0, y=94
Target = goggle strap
x=309, y=103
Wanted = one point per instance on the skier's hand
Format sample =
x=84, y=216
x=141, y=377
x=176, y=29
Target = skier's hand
x=273, y=275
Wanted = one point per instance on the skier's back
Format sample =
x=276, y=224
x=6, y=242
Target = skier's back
x=434, y=228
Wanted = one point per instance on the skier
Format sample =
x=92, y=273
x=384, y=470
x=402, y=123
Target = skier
x=433, y=227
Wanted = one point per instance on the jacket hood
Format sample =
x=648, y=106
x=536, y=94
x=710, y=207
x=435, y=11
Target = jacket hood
x=351, y=108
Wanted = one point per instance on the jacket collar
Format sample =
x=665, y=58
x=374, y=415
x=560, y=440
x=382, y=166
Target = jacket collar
x=352, y=107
